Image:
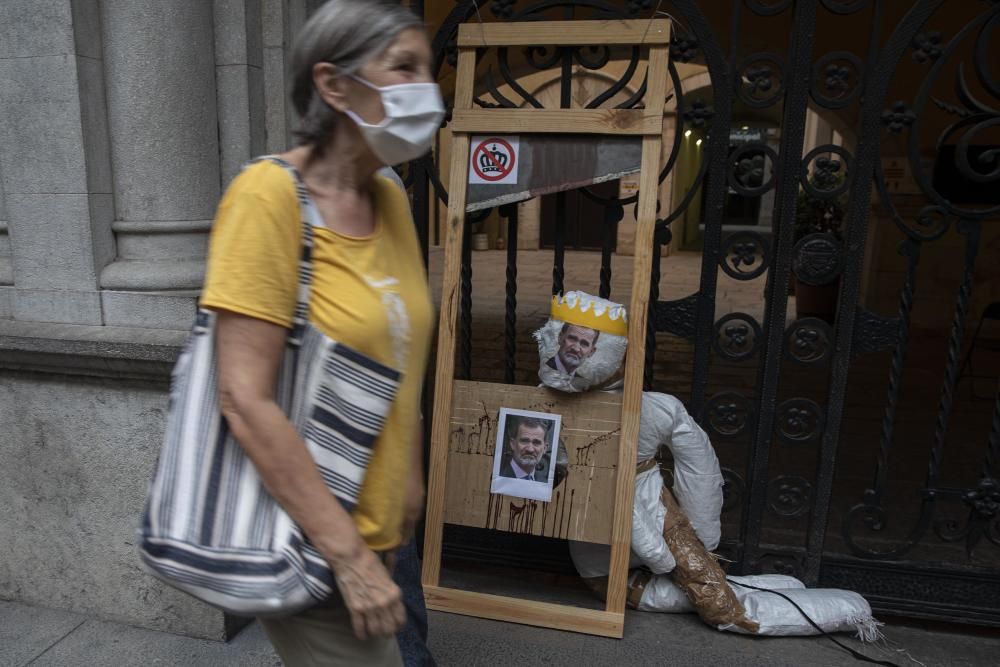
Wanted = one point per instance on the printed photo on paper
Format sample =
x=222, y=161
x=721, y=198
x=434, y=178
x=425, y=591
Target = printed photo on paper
x=526, y=449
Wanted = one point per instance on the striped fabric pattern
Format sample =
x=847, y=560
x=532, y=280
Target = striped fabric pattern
x=209, y=526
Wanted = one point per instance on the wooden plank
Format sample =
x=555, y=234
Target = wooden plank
x=568, y=121
x=610, y=621
x=638, y=313
x=455, y=229
x=656, y=93
x=558, y=33
x=582, y=505
x=513, y=610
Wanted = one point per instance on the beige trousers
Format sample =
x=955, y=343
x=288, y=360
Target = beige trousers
x=322, y=637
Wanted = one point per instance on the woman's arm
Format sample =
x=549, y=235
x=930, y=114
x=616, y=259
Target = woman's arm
x=415, y=492
x=249, y=355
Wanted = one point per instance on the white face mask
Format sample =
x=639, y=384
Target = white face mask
x=413, y=113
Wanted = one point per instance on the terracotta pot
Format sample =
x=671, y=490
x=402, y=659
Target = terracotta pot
x=816, y=300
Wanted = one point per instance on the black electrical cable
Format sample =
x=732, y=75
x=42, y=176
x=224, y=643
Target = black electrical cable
x=856, y=654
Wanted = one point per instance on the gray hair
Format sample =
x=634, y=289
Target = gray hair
x=345, y=33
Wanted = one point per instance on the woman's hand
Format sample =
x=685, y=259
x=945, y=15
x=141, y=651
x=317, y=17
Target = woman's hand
x=372, y=598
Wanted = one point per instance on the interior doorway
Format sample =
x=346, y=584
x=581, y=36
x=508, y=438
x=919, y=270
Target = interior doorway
x=584, y=218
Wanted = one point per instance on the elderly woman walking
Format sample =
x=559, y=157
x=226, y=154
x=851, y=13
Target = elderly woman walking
x=363, y=89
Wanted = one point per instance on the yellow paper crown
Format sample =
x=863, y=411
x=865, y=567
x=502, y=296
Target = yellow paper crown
x=592, y=312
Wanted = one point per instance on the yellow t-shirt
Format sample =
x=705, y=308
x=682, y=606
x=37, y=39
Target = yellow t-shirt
x=369, y=293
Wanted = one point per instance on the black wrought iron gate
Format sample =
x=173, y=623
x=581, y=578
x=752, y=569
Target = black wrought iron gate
x=820, y=420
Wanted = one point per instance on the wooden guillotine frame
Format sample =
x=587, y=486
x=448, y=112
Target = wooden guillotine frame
x=455, y=468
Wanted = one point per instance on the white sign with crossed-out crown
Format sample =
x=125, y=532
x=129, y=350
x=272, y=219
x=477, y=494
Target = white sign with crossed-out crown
x=493, y=160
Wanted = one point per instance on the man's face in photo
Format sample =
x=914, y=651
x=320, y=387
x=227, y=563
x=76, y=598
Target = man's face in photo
x=575, y=345
x=528, y=446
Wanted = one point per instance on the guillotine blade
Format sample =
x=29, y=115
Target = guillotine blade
x=554, y=163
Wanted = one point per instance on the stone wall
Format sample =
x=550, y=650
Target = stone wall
x=77, y=452
x=121, y=122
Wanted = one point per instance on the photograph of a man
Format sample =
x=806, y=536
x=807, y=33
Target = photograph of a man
x=576, y=344
x=526, y=446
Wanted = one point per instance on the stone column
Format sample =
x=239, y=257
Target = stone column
x=6, y=268
x=239, y=79
x=54, y=159
x=161, y=94
x=282, y=19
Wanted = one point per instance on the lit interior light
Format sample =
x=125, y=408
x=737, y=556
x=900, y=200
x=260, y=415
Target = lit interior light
x=687, y=133
x=698, y=143
x=746, y=127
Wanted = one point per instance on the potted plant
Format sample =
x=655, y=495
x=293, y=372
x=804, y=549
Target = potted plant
x=819, y=237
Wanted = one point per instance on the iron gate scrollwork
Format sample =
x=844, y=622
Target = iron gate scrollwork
x=821, y=401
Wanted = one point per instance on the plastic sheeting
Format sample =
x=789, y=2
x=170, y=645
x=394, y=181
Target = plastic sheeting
x=697, y=486
x=698, y=574
x=831, y=609
x=697, y=476
x=648, y=514
x=698, y=489
x=663, y=595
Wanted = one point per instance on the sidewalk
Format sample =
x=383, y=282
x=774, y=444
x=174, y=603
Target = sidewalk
x=43, y=637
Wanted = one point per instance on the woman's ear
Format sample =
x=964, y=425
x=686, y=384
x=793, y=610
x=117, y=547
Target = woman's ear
x=330, y=85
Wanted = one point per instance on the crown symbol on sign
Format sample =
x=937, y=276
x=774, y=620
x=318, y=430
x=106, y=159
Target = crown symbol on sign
x=495, y=162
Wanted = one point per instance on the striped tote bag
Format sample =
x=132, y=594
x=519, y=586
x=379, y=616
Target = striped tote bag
x=209, y=526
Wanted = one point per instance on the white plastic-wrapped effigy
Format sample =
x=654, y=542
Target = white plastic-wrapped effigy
x=582, y=348
x=697, y=486
x=663, y=595
x=697, y=476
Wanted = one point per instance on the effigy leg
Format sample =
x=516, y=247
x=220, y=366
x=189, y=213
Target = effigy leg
x=698, y=574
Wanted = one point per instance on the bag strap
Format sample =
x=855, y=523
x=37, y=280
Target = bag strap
x=305, y=272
